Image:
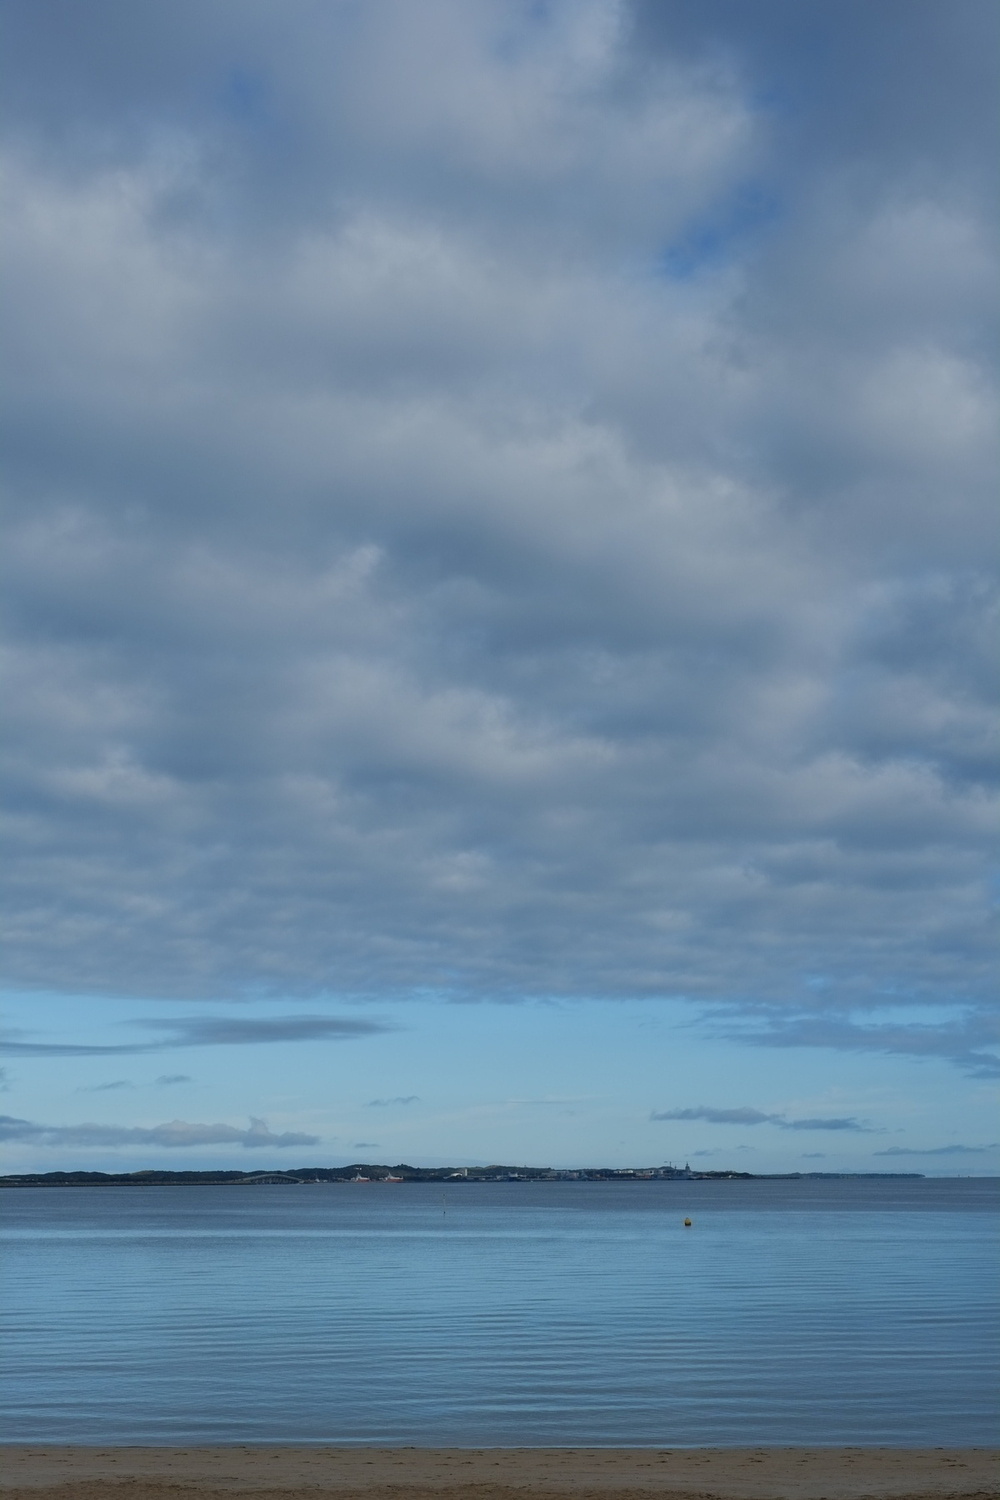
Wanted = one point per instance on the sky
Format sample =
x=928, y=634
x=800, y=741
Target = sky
x=500, y=583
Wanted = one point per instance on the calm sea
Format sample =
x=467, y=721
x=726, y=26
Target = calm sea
x=503, y=1314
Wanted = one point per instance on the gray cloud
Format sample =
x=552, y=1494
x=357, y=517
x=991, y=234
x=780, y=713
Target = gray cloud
x=166, y=1079
x=221, y=1031
x=717, y=1116
x=963, y=1040
x=106, y=1088
x=175, y=1133
x=746, y=1116
x=501, y=502
x=938, y=1150
x=207, y=1031
x=399, y=1099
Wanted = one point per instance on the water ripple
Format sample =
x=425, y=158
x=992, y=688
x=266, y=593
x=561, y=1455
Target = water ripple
x=848, y=1312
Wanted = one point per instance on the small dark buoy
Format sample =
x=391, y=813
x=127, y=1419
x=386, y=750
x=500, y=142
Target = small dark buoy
x=687, y=1223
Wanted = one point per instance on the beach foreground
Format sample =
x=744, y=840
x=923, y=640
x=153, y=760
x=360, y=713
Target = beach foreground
x=84, y=1473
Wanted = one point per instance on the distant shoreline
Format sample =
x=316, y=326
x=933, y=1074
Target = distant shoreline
x=367, y=1172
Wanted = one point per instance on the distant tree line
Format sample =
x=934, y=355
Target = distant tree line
x=367, y=1172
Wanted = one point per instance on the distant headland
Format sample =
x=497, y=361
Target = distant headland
x=368, y=1172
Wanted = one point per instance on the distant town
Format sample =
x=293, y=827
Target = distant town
x=367, y=1172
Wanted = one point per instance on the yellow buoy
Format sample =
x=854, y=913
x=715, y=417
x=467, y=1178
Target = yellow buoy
x=687, y=1223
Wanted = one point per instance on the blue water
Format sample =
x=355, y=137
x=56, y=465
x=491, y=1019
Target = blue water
x=503, y=1314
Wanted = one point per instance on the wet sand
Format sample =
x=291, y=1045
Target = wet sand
x=57, y=1473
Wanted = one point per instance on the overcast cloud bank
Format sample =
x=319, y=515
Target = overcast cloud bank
x=500, y=503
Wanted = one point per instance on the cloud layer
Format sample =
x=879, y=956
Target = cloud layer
x=499, y=502
x=205, y=1031
x=965, y=1039
x=954, y=1150
x=174, y=1134
x=746, y=1116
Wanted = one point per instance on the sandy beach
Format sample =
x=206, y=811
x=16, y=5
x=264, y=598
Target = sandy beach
x=78, y=1473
